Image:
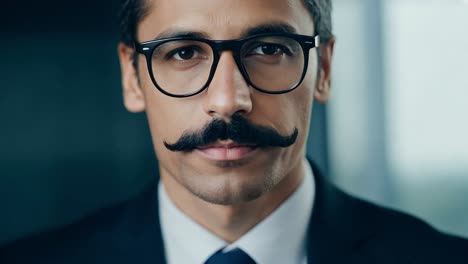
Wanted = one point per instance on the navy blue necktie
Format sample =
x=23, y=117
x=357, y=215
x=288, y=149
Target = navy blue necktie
x=235, y=256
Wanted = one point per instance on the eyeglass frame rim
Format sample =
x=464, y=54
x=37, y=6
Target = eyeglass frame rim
x=306, y=42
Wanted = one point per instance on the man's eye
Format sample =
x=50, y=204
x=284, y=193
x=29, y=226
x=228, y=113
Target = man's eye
x=182, y=54
x=269, y=49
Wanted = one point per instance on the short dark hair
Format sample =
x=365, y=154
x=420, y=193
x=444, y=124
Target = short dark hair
x=133, y=11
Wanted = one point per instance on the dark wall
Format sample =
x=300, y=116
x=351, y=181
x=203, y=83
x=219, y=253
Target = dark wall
x=67, y=145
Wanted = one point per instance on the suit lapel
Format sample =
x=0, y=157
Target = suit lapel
x=139, y=236
x=337, y=230
x=153, y=231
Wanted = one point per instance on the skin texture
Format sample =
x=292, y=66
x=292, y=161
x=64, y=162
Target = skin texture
x=227, y=198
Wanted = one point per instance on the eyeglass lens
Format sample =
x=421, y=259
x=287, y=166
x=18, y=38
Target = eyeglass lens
x=272, y=63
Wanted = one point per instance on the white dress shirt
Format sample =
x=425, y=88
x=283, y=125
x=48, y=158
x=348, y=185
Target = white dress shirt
x=279, y=238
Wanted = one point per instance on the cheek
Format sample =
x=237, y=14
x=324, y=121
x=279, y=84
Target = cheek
x=304, y=96
x=310, y=79
x=284, y=112
x=301, y=104
x=297, y=106
x=168, y=117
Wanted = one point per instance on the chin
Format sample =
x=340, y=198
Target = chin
x=232, y=188
x=230, y=197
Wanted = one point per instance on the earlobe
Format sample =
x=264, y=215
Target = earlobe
x=322, y=91
x=133, y=96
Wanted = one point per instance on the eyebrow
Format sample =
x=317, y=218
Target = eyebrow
x=277, y=27
x=274, y=27
x=175, y=33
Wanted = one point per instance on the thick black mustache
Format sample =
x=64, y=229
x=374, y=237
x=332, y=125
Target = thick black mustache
x=239, y=130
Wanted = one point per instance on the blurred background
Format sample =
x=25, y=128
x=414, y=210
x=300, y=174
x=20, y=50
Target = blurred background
x=397, y=129
x=393, y=132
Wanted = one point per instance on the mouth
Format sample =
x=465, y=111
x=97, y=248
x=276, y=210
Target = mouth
x=227, y=151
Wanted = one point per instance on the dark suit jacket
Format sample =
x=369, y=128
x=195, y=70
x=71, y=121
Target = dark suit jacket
x=342, y=229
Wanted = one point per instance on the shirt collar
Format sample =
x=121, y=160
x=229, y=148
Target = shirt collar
x=283, y=231
x=185, y=241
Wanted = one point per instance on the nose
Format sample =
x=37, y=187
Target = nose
x=228, y=93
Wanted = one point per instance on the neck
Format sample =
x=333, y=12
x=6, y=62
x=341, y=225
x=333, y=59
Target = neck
x=230, y=222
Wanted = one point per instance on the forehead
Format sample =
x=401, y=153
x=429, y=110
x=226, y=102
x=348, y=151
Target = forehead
x=222, y=19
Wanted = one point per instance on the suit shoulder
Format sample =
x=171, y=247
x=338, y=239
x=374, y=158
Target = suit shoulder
x=402, y=232
x=86, y=234
x=394, y=221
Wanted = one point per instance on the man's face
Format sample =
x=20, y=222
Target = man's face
x=227, y=173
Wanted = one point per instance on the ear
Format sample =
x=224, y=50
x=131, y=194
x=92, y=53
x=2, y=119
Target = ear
x=133, y=95
x=322, y=92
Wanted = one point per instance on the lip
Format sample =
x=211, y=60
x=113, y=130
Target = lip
x=228, y=151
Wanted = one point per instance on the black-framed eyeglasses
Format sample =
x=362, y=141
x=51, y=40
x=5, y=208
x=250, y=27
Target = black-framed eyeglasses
x=272, y=63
